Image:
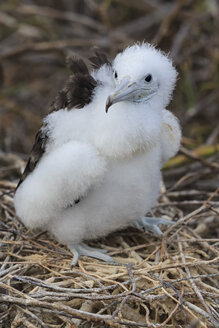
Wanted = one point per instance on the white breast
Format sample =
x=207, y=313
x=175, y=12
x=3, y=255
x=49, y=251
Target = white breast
x=129, y=189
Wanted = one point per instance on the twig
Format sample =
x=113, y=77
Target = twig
x=198, y=293
x=126, y=298
x=64, y=309
x=201, y=312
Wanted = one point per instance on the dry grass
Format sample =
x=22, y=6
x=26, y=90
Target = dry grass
x=156, y=282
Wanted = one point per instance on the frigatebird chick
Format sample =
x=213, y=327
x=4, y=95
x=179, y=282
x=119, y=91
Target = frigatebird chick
x=96, y=163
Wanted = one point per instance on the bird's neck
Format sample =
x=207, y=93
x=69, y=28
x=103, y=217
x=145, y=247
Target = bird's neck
x=126, y=128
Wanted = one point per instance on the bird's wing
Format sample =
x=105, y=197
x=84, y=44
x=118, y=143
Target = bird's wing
x=170, y=135
x=62, y=178
x=35, y=155
x=99, y=59
x=77, y=93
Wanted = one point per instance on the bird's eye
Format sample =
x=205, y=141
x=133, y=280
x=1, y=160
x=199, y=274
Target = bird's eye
x=148, y=78
x=115, y=75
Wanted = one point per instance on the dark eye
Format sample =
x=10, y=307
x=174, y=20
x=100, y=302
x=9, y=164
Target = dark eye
x=115, y=75
x=148, y=78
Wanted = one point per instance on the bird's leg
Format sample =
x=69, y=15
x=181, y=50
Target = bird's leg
x=151, y=224
x=84, y=250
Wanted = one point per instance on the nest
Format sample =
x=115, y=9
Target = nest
x=167, y=281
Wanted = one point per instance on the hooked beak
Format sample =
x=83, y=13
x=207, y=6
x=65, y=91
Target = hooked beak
x=126, y=90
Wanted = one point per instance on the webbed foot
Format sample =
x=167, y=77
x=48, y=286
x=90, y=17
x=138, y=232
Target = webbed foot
x=84, y=250
x=151, y=224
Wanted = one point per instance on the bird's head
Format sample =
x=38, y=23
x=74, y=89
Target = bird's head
x=142, y=74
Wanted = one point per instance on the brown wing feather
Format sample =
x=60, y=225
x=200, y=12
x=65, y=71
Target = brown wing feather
x=35, y=155
x=77, y=92
x=99, y=59
x=77, y=66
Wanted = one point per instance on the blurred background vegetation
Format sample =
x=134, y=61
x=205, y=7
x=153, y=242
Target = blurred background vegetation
x=36, y=36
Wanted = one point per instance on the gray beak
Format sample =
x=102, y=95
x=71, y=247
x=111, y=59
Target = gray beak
x=126, y=90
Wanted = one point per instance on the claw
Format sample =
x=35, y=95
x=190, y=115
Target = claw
x=151, y=224
x=84, y=250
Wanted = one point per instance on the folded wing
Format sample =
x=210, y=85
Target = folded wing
x=60, y=179
x=170, y=135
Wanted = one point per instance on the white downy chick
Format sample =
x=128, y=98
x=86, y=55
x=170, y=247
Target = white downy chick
x=95, y=165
